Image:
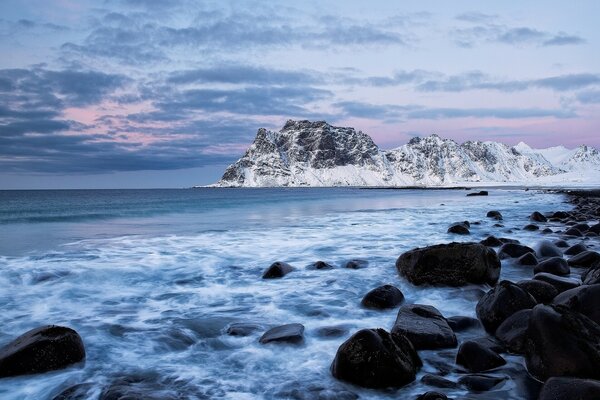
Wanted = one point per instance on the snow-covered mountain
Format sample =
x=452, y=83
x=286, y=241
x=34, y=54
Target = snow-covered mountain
x=305, y=153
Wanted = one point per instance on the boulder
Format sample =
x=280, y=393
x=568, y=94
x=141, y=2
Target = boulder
x=542, y=292
x=595, y=228
x=424, y=326
x=242, y=329
x=559, y=388
x=143, y=385
x=374, y=358
x=481, y=382
x=491, y=343
x=432, y=396
x=321, y=265
x=382, y=297
x=527, y=259
x=80, y=391
x=459, y=228
x=356, y=264
x=559, y=282
x=554, y=265
x=333, y=331
x=531, y=227
x=460, y=323
x=454, y=264
x=477, y=358
x=42, y=349
x=480, y=193
x=573, y=232
x=491, y=241
x=501, y=302
x=438, y=381
x=538, y=217
x=546, y=248
x=290, y=333
x=277, y=270
x=583, y=299
x=561, y=243
x=592, y=275
x=495, y=215
x=585, y=259
x=562, y=342
x=512, y=332
x=513, y=250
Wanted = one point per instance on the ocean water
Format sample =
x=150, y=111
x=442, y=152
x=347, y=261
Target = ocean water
x=151, y=279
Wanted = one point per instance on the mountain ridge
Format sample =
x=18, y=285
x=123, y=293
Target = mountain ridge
x=315, y=153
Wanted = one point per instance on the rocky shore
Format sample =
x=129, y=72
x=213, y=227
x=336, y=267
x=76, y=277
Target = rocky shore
x=550, y=323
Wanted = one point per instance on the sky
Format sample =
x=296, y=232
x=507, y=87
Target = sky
x=142, y=93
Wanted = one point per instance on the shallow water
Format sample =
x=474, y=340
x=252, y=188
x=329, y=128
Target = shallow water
x=152, y=279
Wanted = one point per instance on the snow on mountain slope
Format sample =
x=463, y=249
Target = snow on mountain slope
x=305, y=153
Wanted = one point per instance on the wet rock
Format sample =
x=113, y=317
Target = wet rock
x=432, y=396
x=542, y=292
x=438, y=381
x=512, y=332
x=561, y=243
x=491, y=343
x=356, y=264
x=513, y=250
x=277, y=270
x=527, y=259
x=374, y=358
x=138, y=386
x=491, y=241
x=454, y=264
x=560, y=283
x=562, y=342
x=330, y=332
x=559, y=388
x=459, y=228
x=321, y=265
x=42, y=349
x=495, y=215
x=585, y=259
x=546, y=248
x=501, y=302
x=480, y=382
x=582, y=227
x=531, y=227
x=595, y=228
x=576, y=249
x=300, y=390
x=560, y=214
x=554, y=265
x=573, y=232
x=425, y=327
x=480, y=193
x=477, y=358
x=290, y=333
x=547, y=231
x=583, y=299
x=242, y=329
x=538, y=217
x=592, y=275
x=459, y=323
x=75, y=392
x=382, y=297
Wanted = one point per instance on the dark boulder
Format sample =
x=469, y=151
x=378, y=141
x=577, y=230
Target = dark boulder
x=143, y=385
x=512, y=332
x=432, y=396
x=80, y=391
x=460, y=323
x=356, y=264
x=438, y=381
x=554, y=265
x=495, y=215
x=374, y=358
x=582, y=227
x=545, y=248
x=562, y=342
x=538, y=217
x=513, y=250
x=481, y=382
x=573, y=232
x=547, y=231
x=386, y=296
x=561, y=243
x=576, y=249
x=42, y=349
x=454, y=264
x=501, y=302
x=585, y=259
x=491, y=241
x=531, y=227
x=592, y=275
x=330, y=332
x=559, y=282
x=477, y=358
x=480, y=193
x=559, y=388
x=242, y=329
x=277, y=270
x=321, y=265
x=491, y=343
x=595, y=228
x=424, y=326
x=527, y=259
x=583, y=299
x=459, y=228
x=543, y=292
x=290, y=333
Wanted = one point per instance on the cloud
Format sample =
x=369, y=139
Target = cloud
x=476, y=17
x=238, y=74
x=589, y=97
x=563, y=39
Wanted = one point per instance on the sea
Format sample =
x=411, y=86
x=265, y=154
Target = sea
x=152, y=279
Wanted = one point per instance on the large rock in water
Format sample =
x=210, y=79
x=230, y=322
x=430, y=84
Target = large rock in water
x=501, y=302
x=374, y=358
x=386, y=296
x=453, y=264
x=477, y=358
x=277, y=270
x=290, y=333
x=571, y=389
x=425, y=327
x=43, y=349
x=562, y=342
x=583, y=299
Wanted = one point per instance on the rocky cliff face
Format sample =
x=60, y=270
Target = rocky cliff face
x=305, y=153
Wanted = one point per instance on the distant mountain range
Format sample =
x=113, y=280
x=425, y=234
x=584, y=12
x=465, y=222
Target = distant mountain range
x=307, y=153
